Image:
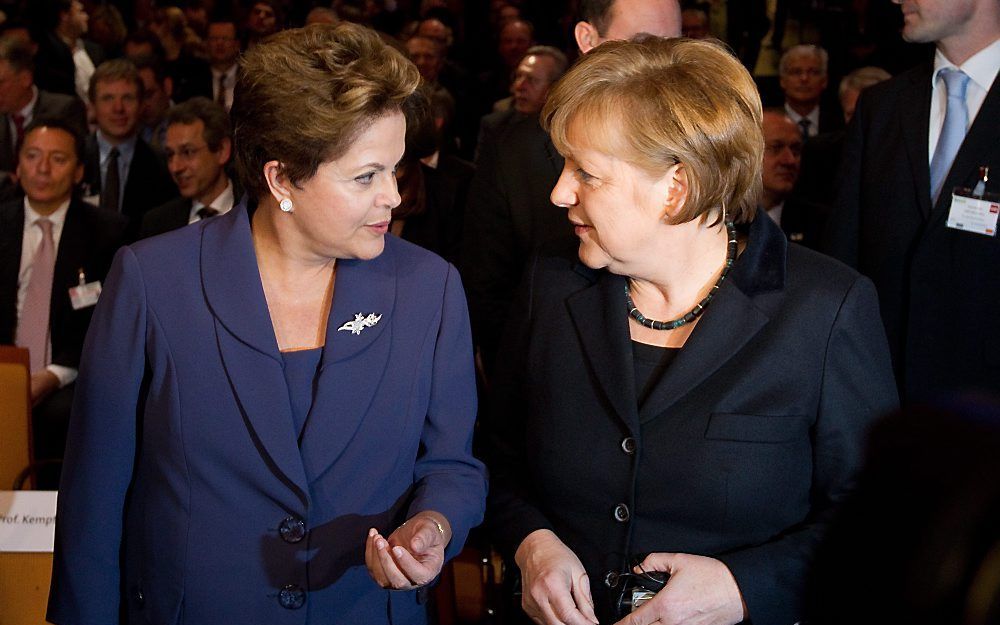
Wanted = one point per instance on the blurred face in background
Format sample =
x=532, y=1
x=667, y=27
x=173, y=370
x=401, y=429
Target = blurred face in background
x=803, y=80
x=156, y=97
x=48, y=168
x=262, y=20
x=116, y=109
x=223, y=46
x=782, y=157
x=426, y=55
x=515, y=39
x=76, y=20
x=532, y=80
x=694, y=24
x=15, y=88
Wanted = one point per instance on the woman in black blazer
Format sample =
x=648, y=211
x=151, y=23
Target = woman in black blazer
x=715, y=446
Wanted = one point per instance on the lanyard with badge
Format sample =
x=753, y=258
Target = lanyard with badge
x=974, y=210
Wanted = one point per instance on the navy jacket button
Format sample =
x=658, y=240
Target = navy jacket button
x=292, y=530
x=621, y=513
x=291, y=597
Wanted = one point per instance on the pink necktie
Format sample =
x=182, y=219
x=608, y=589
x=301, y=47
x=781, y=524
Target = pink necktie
x=33, y=329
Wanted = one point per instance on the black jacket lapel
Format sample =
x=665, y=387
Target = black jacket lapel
x=609, y=352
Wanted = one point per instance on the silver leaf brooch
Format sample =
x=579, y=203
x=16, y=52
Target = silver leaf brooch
x=360, y=322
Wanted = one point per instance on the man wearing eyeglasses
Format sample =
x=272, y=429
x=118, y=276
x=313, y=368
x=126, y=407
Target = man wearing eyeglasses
x=198, y=145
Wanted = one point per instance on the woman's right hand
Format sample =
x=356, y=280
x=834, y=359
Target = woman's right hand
x=554, y=584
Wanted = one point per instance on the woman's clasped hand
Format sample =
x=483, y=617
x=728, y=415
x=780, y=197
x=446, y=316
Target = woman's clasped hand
x=700, y=591
x=412, y=556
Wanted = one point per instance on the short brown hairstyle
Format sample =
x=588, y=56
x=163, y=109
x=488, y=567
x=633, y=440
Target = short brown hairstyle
x=114, y=70
x=656, y=102
x=303, y=96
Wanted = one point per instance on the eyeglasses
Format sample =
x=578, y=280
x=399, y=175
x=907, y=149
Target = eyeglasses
x=186, y=153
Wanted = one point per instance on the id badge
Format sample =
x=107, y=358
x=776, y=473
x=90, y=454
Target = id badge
x=85, y=295
x=973, y=214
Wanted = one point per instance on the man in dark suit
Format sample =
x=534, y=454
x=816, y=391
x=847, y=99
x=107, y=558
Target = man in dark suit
x=21, y=101
x=51, y=244
x=198, y=146
x=509, y=211
x=913, y=140
x=121, y=169
x=65, y=61
x=802, y=73
x=800, y=220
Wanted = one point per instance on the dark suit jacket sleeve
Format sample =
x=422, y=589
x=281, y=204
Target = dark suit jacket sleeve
x=511, y=514
x=856, y=383
x=840, y=236
x=490, y=254
x=448, y=479
x=99, y=456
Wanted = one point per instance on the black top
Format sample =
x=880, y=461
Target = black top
x=649, y=362
x=300, y=376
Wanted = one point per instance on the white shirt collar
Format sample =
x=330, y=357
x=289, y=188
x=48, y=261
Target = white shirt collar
x=981, y=67
x=58, y=218
x=30, y=106
x=223, y=203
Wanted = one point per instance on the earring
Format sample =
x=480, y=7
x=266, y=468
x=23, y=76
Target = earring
x=285, y=205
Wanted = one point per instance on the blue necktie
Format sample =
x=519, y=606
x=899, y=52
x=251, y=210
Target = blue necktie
x=956, y=121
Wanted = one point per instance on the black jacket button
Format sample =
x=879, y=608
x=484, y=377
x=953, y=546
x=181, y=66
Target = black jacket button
x=292, y=530
x=611, y=579
x=628, y=445
x=621, y=513
x=291, y=597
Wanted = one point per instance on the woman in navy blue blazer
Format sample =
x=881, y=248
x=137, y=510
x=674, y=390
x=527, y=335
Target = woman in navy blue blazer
x=681, y=390
x=275, y=406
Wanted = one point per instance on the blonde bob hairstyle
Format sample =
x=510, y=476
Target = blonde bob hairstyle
x=303, y=96
x=656, y=102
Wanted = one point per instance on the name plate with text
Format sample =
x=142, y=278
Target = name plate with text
x=27, y=520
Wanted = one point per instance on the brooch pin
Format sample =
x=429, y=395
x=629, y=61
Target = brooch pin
x=360, y=322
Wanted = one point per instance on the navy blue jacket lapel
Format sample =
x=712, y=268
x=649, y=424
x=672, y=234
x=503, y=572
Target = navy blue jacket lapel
x=247, y=345
x=353, y=364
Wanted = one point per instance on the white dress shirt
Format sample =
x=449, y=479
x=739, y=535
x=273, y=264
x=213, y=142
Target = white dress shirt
x=31, y=239
x=228, y=82
x=982, y=68
x=812, y=116
x=84, y=67
x=223, y=203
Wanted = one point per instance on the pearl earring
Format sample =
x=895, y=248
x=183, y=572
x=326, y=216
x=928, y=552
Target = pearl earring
x=285, y=205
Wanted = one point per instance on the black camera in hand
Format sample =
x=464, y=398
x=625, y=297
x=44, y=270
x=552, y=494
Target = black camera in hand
x=638, y=588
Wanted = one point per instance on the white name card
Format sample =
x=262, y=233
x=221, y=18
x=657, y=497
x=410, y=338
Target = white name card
x=27, y=520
